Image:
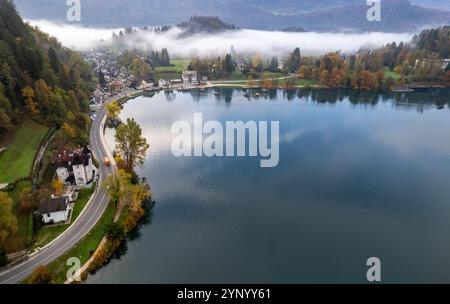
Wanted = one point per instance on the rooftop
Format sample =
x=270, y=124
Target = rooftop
x=54, y=205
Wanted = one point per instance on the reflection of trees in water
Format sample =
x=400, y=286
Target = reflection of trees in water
x=290, y=94
x=198, y=94
x=135, y=234
x=435, y=97
x=170, y=96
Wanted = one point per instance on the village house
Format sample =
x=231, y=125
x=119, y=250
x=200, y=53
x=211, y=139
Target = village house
x=123, y=72
x=190, y=77
x=241, y=65
x=176, y=81
x=76, y=168
x=55, y=210
x=145, y=85
x=162, y=83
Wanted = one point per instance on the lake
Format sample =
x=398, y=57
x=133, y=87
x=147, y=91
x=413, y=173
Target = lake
x=361, y=174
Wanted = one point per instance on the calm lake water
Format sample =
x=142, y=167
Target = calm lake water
x=361, y=175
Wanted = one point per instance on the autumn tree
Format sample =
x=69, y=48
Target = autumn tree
x=27, y=200
x=266, y=83
x=41, y=276
x=58, y=187
x=131, y=145
x=257, y=63
x=137, y=196
x=368, y=81
x=447, y=79
x=69, y=131
x=379, y=75
x=30, y=104
x=304, y=72
x=114, y=231
x=336, y=78
x=250, y=82
x=113, y=110
x=324, y=77
x=140, y=69
x=8, y=222
x=43, y=94
x=117, y=186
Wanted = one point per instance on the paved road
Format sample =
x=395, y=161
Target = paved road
x=84, y=223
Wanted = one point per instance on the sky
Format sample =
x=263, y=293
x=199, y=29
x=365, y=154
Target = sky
x=243, y=41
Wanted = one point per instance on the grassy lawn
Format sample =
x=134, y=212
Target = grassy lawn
x=178, y=66
x=24, y=233
x=47, y=234
x=17, y=161
x=393, y=74
x=85, y=247
x=167, y=76
x=273, y=74
x=236, y=75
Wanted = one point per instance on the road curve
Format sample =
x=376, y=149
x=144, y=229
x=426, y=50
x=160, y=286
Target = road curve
x=86, y=220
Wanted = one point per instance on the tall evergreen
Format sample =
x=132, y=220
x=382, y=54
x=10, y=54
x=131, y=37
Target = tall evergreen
x=274, y=65
x=228, y=66
x=293, y=62
x=54, y=60
x=165, y=59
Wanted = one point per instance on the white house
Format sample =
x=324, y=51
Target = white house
x=242, y=65
x=190, y=77
x=162, y=83
x=55, y=210
x=76, y=168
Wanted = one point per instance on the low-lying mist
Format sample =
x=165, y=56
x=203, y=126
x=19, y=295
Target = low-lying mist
x=243, y=41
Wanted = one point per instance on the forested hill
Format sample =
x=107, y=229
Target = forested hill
x=40, y=79
x=434, y=40
x=202, y=24
x=312, y=15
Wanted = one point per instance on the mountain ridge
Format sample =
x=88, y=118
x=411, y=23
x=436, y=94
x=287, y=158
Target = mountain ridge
x=317, y=15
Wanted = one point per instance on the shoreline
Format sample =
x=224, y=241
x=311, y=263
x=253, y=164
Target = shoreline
x=107, y=247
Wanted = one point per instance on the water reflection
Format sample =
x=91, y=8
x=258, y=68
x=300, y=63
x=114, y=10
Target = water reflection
x=436, y=97
x=361, y=174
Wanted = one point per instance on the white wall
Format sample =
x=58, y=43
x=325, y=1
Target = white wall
x=57, y=217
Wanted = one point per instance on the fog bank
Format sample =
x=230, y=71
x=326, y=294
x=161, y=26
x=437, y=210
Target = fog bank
x=243, y=41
